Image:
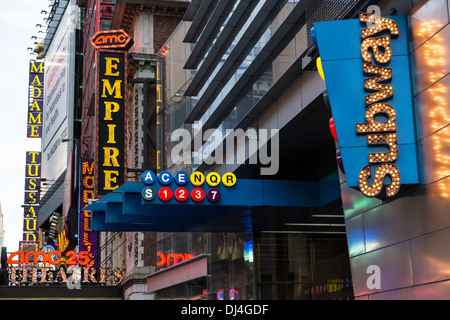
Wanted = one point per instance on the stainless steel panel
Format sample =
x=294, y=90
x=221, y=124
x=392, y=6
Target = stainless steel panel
x=400, y=294
x=427, y=19
x=433, y=291
x=435, y=161
x=355, y=235
x=431, y=60
x=437, y=205
x=354, y=202
x=393, y=222
x=395, y=269
x=433, y=108
x=424, y=211
x=431, y=257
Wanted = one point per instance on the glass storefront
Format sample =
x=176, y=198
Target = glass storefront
x=230, y=265
x=267, y=266
x=294, y=266
x=282, y=264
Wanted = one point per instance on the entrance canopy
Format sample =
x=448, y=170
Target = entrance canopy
x=126, y=208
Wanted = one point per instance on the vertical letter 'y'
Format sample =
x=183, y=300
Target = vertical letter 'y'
x=274, y=159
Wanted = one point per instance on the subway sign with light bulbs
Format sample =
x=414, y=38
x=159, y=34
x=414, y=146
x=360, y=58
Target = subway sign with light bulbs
x=367, y=71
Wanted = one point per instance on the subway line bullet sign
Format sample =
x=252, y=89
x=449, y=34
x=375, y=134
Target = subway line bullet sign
x=180, y=186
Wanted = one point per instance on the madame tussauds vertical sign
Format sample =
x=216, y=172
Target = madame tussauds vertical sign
x=111, y=116
x=35, y=99
x=32, y=195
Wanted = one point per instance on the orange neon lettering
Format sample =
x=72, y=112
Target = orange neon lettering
x=175, y=257
x=87, y=184
x=50, y=255
x=13, y=255
x=163, y=259
x=36, y=256
x=87, y=168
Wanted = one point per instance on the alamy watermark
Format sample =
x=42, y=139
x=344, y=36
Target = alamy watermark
x=374, y=280
x=374, y=20
x=238, y=146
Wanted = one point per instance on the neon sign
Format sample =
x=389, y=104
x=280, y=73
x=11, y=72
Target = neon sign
x=63, y=241
x=88, y=238
x=172, y=258
x=46, y=275
x=35, y=99
x=111, y=112
x=112, y=39
x=48, y=257
x=28, y=273
x=32, y=195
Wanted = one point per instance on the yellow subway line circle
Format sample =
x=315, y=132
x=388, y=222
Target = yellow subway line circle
x=213, y=179
x=229, y=179
x=197, y=178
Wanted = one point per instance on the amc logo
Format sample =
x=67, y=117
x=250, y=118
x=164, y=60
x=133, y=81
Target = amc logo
x=111, y=39
x=174, y=257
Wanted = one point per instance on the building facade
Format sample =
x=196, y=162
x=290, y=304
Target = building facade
x=232, y=85
x=406, y=237
x=244, y=65
x=60, y=126
x=69, y=124
x=149, y=23
x=221, y=87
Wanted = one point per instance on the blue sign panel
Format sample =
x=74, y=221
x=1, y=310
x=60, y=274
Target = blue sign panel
x=367, y=72
x=137, y=206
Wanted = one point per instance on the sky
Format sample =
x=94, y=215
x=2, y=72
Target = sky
x=18, y=21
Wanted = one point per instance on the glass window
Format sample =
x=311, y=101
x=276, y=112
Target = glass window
x=302, y=267
x=230, y=259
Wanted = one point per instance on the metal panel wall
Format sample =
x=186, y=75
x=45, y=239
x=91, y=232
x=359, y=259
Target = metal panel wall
x=407, y=238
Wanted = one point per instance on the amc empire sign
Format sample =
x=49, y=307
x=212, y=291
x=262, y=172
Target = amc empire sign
x=111, y=115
